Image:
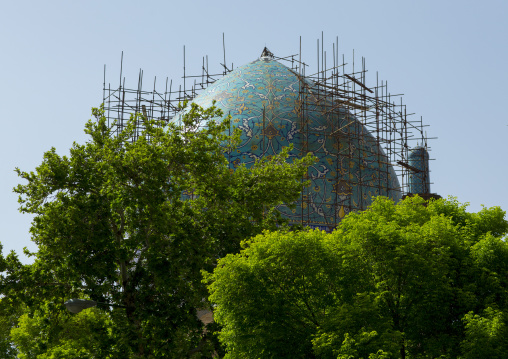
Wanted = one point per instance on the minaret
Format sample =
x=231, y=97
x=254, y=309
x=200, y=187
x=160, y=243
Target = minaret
x=419, y=174
x=419, y=177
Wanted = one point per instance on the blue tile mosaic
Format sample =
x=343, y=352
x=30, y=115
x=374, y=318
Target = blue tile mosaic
x=266, y=100
x=419, y=182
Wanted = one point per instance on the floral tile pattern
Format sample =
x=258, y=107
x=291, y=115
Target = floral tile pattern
x=273, y=107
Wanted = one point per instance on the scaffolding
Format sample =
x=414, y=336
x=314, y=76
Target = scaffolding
x=358, y=118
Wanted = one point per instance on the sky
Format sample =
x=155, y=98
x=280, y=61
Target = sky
x=448, y=58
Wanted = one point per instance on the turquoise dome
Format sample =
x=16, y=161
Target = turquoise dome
x=265, y=100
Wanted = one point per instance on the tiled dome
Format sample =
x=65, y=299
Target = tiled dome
x=265, y=100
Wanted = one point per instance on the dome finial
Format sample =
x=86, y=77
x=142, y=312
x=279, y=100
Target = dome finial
x=266, y=54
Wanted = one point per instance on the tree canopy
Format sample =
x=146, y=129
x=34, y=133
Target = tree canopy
x=406, y=280
x=136, y=220
x=132, y=220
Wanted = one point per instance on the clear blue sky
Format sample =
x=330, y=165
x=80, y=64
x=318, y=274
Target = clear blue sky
x=449, y=58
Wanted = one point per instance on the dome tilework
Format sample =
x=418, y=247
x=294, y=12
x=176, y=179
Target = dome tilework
x=273, y=107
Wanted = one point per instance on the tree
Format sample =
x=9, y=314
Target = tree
x=133, y=220
x=403, y=280
x=50, y=333
x=485, y=335
x=10, y=308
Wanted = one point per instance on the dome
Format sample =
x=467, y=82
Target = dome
x=274, y=106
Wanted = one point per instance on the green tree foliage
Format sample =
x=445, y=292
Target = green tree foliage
x=52, y=334
x=10, y=308
x=132, y=220
x=411, y=280
x=486, y=335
